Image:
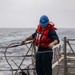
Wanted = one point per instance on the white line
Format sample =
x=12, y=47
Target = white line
x=56, y=63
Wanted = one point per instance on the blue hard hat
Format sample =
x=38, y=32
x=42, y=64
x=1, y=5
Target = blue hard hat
x=44, y=20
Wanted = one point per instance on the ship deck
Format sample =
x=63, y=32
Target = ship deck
x=62, y=67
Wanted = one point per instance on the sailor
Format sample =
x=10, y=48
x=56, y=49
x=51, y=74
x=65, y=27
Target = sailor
x=45, y=37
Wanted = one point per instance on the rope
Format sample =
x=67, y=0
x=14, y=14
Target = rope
x=24, y=57
x=9, y=46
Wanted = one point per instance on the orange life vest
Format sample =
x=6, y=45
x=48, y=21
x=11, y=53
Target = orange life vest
x=41, y=38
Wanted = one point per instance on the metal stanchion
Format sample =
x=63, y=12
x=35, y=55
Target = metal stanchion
x=65, y=61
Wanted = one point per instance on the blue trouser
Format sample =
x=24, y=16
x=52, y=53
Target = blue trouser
x=44, y=63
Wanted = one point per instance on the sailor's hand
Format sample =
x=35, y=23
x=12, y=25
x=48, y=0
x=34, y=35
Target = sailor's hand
x=51, y=45
x=23, y=42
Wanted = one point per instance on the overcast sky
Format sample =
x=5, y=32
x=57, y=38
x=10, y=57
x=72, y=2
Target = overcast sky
x=26, y=13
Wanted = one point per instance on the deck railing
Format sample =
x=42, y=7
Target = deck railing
x=66, y=42
x=58, y=51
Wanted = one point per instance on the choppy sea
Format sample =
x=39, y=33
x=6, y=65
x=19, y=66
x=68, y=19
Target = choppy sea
x=14, y=35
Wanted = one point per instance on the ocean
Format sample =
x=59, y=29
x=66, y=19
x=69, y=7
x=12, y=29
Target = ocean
x=9, y=34
x=16, y=35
